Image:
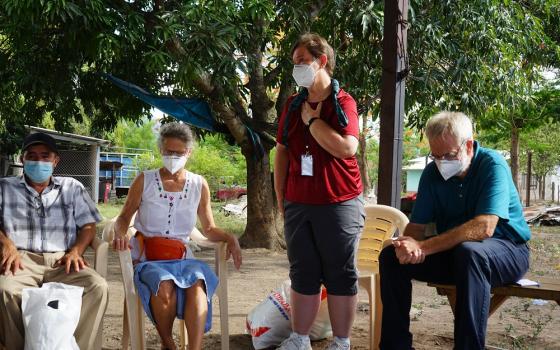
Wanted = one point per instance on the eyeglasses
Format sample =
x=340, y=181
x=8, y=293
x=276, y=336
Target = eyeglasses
x=448, y=156
x=176, y=154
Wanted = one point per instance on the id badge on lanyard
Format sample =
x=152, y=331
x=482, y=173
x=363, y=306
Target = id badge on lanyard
x=306, y=164
x=306, y=158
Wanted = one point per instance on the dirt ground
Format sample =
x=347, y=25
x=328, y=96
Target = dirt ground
x=518, y=324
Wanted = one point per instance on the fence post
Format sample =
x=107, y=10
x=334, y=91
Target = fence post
x=528, y=194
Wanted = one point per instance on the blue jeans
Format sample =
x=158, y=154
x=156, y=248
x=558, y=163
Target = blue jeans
x=474, y=267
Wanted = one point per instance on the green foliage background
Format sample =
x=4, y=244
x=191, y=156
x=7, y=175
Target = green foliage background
x=212, y=156
x=482, y=57
x=214, y=159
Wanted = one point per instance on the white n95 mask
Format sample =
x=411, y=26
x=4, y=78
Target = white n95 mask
x=304, y=74
x=174, y=163
x=449, y=168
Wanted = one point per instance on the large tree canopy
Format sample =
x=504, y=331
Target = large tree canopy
x=235, y=54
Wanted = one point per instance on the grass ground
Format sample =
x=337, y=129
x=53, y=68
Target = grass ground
x=545, y=251
x=111, y=209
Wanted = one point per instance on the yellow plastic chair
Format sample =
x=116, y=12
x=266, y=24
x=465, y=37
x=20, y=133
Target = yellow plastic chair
x=133, y=317
x=380, y=225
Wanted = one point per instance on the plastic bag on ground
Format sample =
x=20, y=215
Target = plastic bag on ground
x=50, y=316
x=269, y=323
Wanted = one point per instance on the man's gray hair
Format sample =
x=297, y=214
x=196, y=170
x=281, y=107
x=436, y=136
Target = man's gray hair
x=177, y=130
x=455, y=124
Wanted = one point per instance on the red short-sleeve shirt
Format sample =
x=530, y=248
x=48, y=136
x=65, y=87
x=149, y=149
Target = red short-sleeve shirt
x=334, y=180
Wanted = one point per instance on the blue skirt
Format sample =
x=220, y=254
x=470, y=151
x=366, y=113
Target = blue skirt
x=184, y=273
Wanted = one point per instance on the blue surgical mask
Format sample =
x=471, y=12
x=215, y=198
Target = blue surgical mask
x=38, y=172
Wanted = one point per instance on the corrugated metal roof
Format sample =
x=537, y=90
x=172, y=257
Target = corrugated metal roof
x=66, y=136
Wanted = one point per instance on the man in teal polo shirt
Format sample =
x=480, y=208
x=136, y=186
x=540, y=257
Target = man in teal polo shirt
x=469, y=195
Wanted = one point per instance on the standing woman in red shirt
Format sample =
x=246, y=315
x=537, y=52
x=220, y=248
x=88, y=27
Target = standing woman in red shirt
x=318, y=188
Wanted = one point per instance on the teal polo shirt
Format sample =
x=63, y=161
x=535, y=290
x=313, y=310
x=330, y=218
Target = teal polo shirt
x=486, y=189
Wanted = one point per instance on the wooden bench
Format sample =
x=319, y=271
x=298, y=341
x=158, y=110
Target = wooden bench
x=549, y=289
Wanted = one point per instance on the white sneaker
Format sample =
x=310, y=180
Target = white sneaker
x=334, y=345
x=295, y=342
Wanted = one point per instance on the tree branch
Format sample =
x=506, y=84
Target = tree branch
x=364, y=103
x=215, y=96
x=286, y=90
x=260, y=102
x=272, y=75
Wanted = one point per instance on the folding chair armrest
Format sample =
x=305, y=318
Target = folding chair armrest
x=127, y=270
x=108, y=231
x=133, y=308
x=201, y=240
x=220, y=265
x=386, y=243
x=222, y=291
x=101, y=249
x=221, y=248
x=220, y=251
x=97, y=244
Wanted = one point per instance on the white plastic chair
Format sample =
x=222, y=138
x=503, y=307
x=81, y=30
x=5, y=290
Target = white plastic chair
x=101, y=250
x=380, y=225
x=133, y=317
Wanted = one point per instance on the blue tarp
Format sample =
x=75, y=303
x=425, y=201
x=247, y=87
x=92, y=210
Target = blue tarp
x=193, y=111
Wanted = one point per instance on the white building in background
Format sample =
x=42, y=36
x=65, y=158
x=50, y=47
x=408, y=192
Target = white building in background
x=413, y=171
x=551, y=182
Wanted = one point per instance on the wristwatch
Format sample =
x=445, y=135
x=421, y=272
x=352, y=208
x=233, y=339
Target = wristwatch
x=311, y=121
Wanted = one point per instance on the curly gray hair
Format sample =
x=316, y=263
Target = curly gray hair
x=176, y=130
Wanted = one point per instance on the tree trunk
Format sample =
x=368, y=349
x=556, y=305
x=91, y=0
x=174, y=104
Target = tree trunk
x=514, y=156
x=362, y=157
x=4, y=162
x=264, y=227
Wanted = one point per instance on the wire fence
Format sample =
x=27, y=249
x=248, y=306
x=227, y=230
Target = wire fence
x=79, y=162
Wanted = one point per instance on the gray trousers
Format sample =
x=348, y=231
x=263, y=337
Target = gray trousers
x=322, y=241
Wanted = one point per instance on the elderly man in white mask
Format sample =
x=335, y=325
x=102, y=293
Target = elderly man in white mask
x=469, y=194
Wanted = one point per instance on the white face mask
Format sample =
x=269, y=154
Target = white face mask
x=304, y=74
x=450, y=168
x=174, y=163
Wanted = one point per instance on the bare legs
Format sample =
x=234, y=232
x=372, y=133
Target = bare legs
x=164, y=306
x=196, y=309
x=342, y=310
x=304, y=310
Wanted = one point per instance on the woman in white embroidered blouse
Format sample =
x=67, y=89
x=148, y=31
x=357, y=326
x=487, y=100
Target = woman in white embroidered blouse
x=168, y=201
